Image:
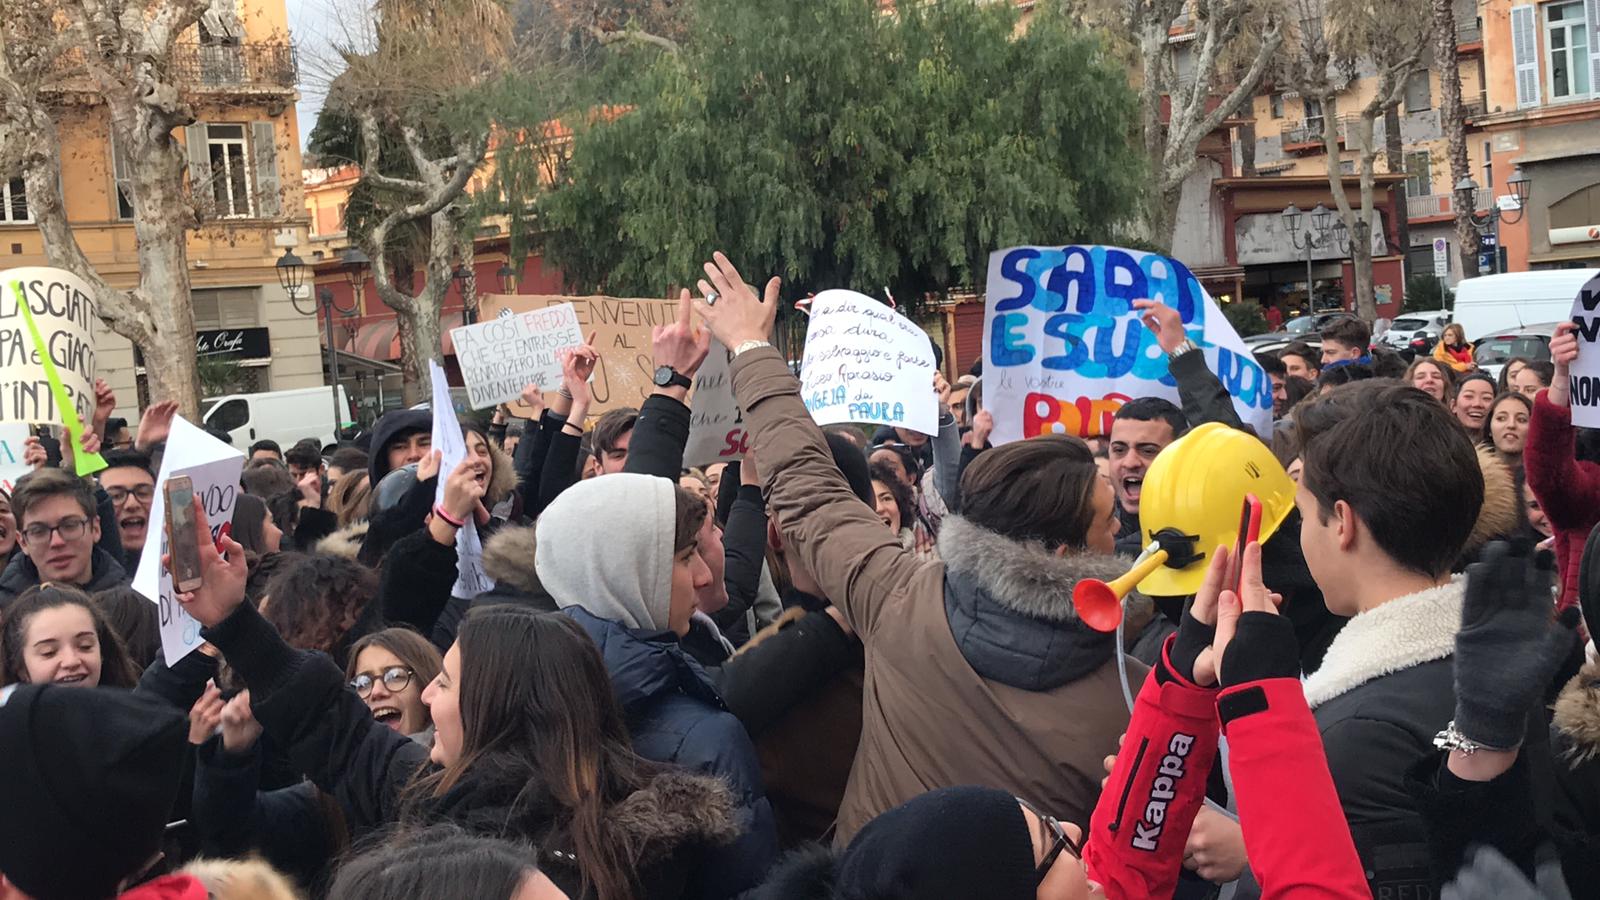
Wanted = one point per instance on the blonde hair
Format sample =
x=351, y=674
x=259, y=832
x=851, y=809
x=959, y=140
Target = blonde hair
x=241, y=879
x=350, y=497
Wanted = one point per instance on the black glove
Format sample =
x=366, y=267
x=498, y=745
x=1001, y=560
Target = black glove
x=1263, y=646
x=1193, y=638
x=1508, y=647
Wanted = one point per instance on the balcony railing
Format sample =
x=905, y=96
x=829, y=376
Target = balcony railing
x=1302, y=132
x=252, y=66
x=1475, y=107
x=1427, y=206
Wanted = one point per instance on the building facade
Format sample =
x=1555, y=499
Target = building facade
x=239, y=72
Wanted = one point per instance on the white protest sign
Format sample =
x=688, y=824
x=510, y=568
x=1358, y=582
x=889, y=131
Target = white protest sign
x=865, y=362
x=502, y=355
x=12, y=436
x=1585, y=375
x=63, y=309
x=716, y=424
x=1063, y=347
x=470, y=578
x=214, y=468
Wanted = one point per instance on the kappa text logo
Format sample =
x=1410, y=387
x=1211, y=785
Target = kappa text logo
x=1147, y=831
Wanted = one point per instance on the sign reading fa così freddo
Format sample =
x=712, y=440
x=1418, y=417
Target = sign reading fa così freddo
x=1064, y=347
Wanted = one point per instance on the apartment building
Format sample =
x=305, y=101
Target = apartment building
x=238, y=70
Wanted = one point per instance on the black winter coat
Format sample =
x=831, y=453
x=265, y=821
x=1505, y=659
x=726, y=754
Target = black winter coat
x=105, y=571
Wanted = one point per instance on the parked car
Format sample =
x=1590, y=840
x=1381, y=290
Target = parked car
x=1531, y=342
x=1277, y=341
x=1417, y=331
x=1313, y=324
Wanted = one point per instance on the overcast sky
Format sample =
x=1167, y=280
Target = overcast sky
x=310, y=24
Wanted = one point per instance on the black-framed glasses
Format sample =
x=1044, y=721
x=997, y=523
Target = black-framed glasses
x=394, y=678
x=1060, y=841
x=38, y=534
x=119, y=495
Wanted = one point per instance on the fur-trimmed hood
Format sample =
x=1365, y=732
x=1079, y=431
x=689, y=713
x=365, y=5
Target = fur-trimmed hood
x=1501, y=514
x=344, y=543
x=674, y=810
x=1009, y=604
x=508, y=559
x=1402, y=633
x=1577, y=716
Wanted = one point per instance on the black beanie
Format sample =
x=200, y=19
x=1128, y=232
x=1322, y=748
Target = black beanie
x=960, y=843
x=88, y=777
x=852, y=464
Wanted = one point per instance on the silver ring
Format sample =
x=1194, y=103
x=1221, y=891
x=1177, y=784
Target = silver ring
x=711, y=298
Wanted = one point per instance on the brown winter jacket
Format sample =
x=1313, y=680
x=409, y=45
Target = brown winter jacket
x=977, y=670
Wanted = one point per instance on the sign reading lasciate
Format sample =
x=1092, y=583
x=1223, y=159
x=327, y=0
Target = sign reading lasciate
x=865, y=362
x=500, y=356
x=63, y=311
x=1585, y=370
x=1064, y=348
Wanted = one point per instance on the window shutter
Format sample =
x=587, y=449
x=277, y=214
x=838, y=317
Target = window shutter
x=122, y=181
x=1592, y=9
x=199, y=167
x=264, y=155
x=1525, y=53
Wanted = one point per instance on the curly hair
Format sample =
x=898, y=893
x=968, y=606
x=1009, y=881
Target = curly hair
x=315, y=602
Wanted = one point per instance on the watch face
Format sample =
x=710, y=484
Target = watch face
x=663, y=376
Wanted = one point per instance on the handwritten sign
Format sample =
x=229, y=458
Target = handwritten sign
x=865, y=362
x=63, y=310
x=500, y=356
x=1585, y=375
x=12, y=468
x=1064, y=348
x=623, y=375
x=470, y=578
x=716, y=424
x=214, y=468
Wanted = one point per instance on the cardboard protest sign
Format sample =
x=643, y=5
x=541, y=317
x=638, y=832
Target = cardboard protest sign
x=63, y=310
x=214, y=468
x=12, y=436
x=1064, y=348
x=716, y=424
x=470, y=578
x=1585, y=375
x=498, y=357
x=865, y=362
x=623, y=375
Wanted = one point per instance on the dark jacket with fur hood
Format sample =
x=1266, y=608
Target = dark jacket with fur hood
x=977, y=668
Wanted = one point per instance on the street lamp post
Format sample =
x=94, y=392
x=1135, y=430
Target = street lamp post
x=1315, y=236
x=508, y=278
x=1488, y=225
x=291, y=274
x=463, y=277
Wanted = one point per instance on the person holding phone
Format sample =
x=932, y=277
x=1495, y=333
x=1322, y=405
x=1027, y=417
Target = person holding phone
x=59, y=530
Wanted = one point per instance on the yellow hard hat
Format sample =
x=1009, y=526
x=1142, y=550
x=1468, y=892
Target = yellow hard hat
x=1196, y=487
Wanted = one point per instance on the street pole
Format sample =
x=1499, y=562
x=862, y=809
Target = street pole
x=1311, y=298
x=333, y=365
x=1494, y=223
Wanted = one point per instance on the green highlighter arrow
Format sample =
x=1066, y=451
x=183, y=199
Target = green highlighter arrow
x=87, y=463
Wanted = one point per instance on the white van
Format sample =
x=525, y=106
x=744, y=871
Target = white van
x=282, y=416
x=1494, y=303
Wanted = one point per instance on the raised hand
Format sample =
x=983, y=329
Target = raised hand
x=1253, y=642
x=1164, y=322
x=942, y=388
x=533, y=398
x=222, y=575
x=982, y=427
x=428, y=466
x=738, y=315
x=577, y=366
x=205, y=715
x=105, y=403
x=1194, y=653
x=240, y=730
x=680, y=345
x=310, y=488
x=1563, y=352
x=154, y=425
x=462, y=489
x=33, y=452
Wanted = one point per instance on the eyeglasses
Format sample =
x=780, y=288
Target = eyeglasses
x=120, y=495
x=1059, y=842
x=70, y=529
x=394, y=678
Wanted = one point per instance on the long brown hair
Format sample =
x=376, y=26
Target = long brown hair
x=116, y=666
x=537, y=702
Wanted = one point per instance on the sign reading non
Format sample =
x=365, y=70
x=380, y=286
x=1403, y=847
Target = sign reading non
x=716, y=424
x=214, y=468
x=865, y=362
x=1585, y=375
x=63, y=310
x=1064, y=347
x=500, y=356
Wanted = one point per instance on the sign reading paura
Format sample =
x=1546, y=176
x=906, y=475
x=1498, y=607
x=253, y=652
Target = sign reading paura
x=63, y=308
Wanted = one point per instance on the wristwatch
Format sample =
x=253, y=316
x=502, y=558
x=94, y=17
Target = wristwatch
x=749, y=345
x=667, y=376
x=1451, y=739
x=1187, y=346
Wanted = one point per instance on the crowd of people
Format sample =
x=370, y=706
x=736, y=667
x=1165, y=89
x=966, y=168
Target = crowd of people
x=847, y=665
